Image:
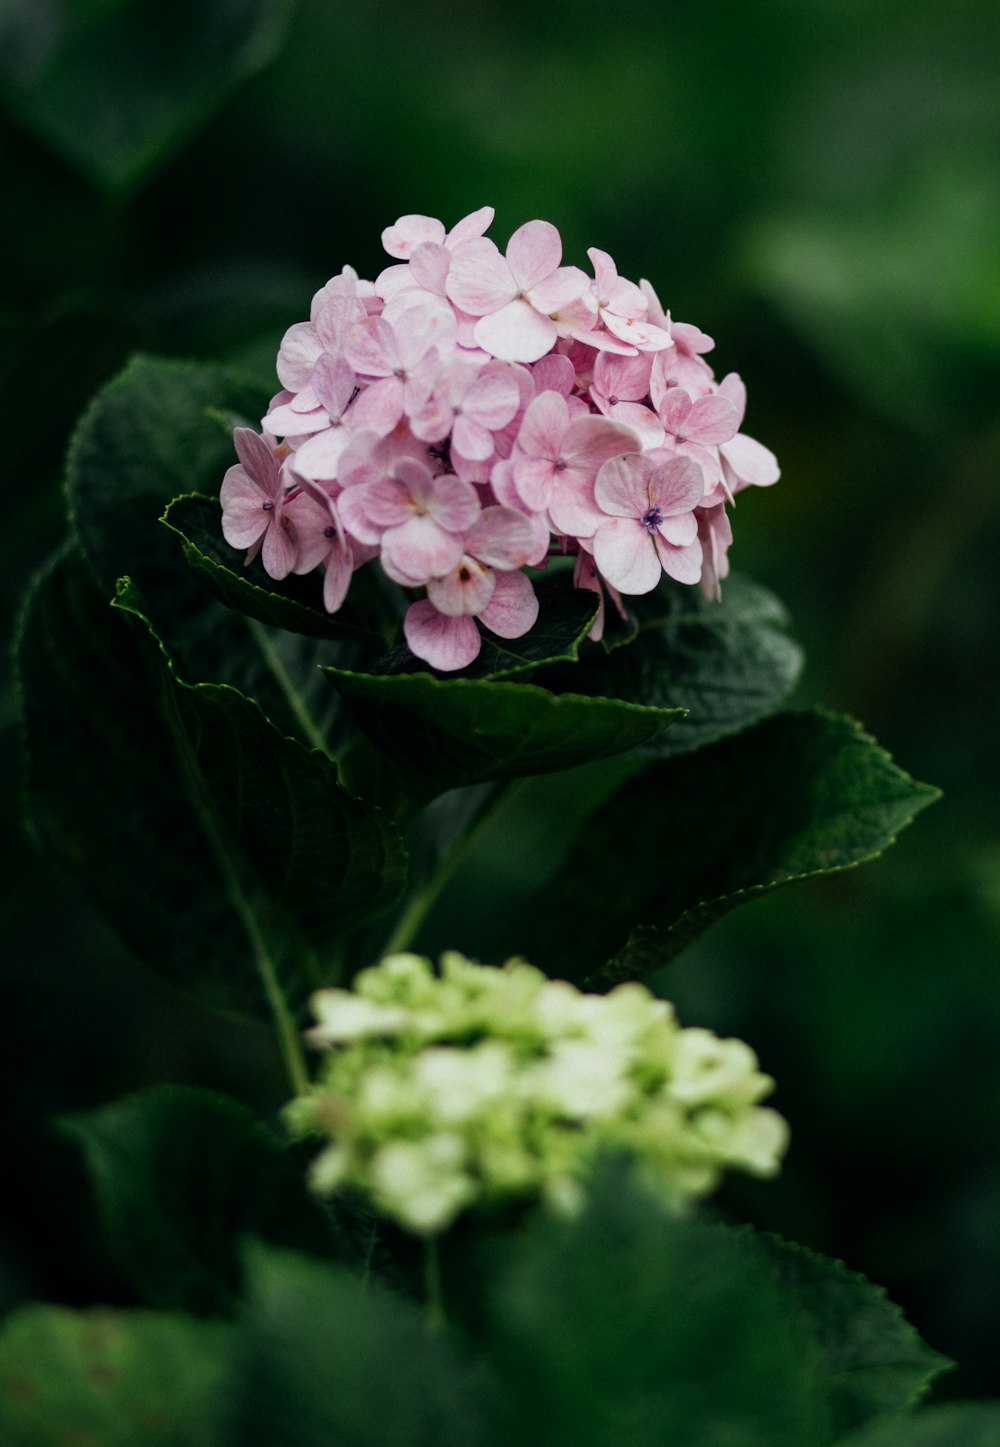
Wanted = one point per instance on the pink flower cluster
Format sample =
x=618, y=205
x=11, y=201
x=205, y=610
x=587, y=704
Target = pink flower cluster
x=471, y=412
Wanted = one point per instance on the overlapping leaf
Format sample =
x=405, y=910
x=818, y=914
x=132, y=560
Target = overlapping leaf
x=181, y=1175
x=295, y=603
x=324, y=1360
x=465, y=731
x=688, y=839
x=627, y=1326
x=225, y=854
x=727, y=663
x=871, y=1360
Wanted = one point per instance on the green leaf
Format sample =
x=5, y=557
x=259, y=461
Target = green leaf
x=871, y=1359
x=728, y=664
x=149, y=434
x=111, y=1379
x=466, y=731
x=226, y=855
x=325, y=1360
x=959, y=1424
x=799, y=795
x=180, y=1176
x=296, y=603
x=117, y=87
x=625, y=1325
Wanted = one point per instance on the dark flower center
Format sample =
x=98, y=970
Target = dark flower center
x=268, y=506
x=652, y=518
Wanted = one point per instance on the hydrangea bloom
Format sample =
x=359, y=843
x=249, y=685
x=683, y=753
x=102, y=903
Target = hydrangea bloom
x=476, y=1086
x=465, y=383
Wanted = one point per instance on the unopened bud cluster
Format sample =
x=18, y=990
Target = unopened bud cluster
x=471, y=412
x=475, y=1086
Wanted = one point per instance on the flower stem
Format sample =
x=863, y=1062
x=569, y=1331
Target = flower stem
x=421, y=901
x=436, y=1318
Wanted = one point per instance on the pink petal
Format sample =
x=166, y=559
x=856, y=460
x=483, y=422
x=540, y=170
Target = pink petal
x=627, y=301
x=674, y=410
x=684, y=564
x=731, y=387
x=290, y=421
x=336, y=320
x=591, y=441
x=712, y=420
x=533, y=478
x=420, y=550
x=257, y=458
x=470, y=227
x=620, y=486
x=479, y=279
x=679, y=531
x=572, y=508
x=752, y=462
x=624, y=554
x=676, y=486
x=319, y=457
x=471, y=440
x=444, y=643
x=501, y=537
x=387, y=502
x=515, y=333
x=300, y=347
x=380, y=406
x=641, y=420
x=626, y=378
x=533, y=252
x=543, y=426
x=452, y=502
x=637, y=333
x=429, y=267
x=372, y=349
x=554, y=373
x=333, y=382
x=605, y=271
x=559, y=291
x=513, y=609
x=280, y=546
x=337, y=578
x=492, y=400
x=354, y=515
x=465, y=591
x=410, y=232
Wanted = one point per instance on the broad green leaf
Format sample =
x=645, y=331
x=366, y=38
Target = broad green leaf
x=324, y=1360
x=112, y=1379
x=959, y=1424
x=625, y=1325
x=296, y=603
x=688, y=839
x=181, y=1175
x=465, y=731
x=871, y=1360
x=225, y=854
x=117, y=87
x=151, y=433
x=728, y=664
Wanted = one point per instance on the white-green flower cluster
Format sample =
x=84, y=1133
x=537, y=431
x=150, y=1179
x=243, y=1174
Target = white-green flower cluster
x=479, y=1085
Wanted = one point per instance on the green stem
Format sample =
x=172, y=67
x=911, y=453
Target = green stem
x=421, y=901
x=295, y=700
x=436, y=1319
x=289, y=1041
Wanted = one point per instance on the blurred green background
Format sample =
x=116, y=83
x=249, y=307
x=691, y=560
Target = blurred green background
x=814, y=182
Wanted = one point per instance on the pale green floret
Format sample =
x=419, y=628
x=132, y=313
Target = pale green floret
x=477, y=1086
